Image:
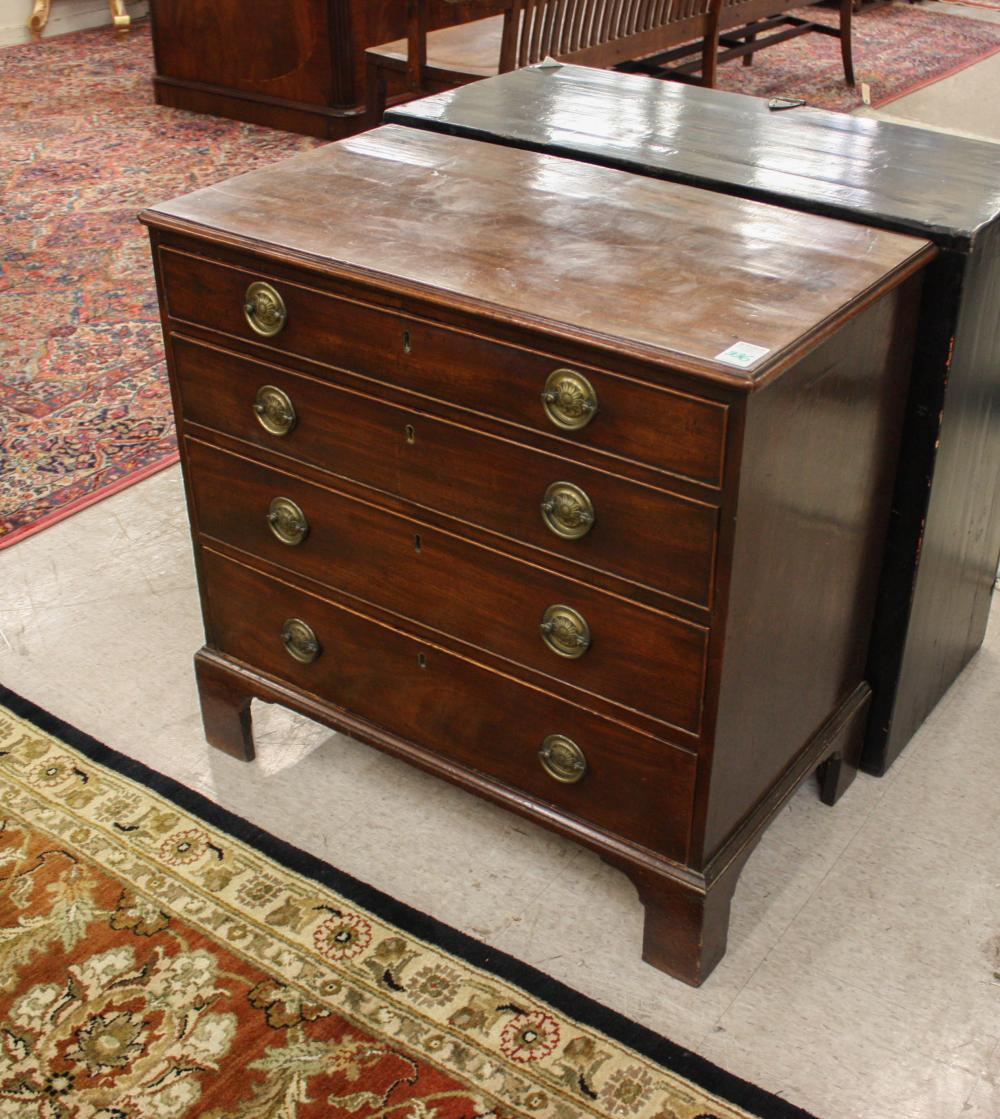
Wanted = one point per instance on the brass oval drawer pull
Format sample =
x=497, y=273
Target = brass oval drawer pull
x=300, y=641
x=565, y=631
x=274, y=410
x=562, y=759
x=567, y=510
x=287, y=521
x=264, y=309
x=569, y=399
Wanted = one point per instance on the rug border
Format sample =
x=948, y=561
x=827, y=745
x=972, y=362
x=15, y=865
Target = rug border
x=956, y=69
x=565, y=999
x=54, y=516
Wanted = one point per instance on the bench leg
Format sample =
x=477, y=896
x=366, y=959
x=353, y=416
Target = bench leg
x=846, y=14
x=376, y=94
x=748, y=58
x=710, y=48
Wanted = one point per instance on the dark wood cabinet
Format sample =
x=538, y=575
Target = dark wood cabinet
x=297, y=65
x=944, y=539
x=566, y=485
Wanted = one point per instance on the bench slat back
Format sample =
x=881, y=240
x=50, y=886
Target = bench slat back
x=578, y=30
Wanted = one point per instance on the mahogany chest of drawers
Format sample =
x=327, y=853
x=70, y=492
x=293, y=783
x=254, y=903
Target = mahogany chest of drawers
x=566, y=485
x=297, y=65
x=944, y=535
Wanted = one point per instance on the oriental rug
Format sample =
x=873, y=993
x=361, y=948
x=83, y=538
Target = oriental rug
x=84, y=403
x=163, y=959
x=898, y=49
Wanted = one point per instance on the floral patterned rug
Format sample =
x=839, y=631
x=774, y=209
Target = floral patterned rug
x=84, y=403
x=162, y=959
x=898, y=49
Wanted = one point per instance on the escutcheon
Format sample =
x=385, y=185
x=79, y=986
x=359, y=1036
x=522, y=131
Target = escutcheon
x=565, y=631
x=569, y=399
x=287, y=521
x=264, y=309
x=300, y=641
x=274, y=410
x=567, y=510
x=562, y=759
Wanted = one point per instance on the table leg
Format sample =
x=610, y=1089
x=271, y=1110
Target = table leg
x=39, y=16
x=119, y=16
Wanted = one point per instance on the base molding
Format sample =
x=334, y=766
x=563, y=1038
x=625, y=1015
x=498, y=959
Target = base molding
x=687, y=909
x=256, y=108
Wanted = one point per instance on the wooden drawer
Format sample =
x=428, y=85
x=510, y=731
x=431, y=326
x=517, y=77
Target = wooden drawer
x=661, y=428
x=642, y=534
x=640, y=658
x=637, y=787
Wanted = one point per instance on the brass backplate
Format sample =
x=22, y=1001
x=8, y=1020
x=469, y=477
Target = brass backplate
x=565, y=631
x=264, y=309
x=567, y=510
x=562, y=759
x=287, y=522
x=300, y=641
x=274, y=410
x=569, y=399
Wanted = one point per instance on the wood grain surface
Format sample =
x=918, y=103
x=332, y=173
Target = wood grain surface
x=675, y=432
x=294, y=66
x=648, y=536
x=644, y=661
x=636, y=787
x=681, y=273
x=892, y=176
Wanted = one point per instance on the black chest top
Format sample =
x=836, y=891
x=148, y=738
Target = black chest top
x=945, y=188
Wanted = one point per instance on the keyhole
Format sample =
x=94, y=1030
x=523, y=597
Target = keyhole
x=417, y=543
x=411, y=435
x=422, y=660
x=406, y=341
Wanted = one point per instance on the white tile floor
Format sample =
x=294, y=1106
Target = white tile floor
x=862, y=975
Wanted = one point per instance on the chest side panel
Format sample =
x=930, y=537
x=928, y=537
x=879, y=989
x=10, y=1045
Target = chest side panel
x=819, y=456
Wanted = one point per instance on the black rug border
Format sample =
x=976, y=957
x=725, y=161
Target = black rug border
x=574, y=1004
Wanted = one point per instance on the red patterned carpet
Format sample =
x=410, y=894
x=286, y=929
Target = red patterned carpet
x=897, y=49
x=84, y=405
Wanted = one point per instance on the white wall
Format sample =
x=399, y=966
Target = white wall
x=66, y=15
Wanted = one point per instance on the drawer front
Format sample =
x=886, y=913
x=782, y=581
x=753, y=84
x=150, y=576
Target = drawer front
x=666, y=430
x=639, y=658
x=634, y=786
x=644, y=535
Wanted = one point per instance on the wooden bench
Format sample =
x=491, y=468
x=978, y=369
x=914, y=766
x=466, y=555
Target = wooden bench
x=747, y=26
x=453, y=42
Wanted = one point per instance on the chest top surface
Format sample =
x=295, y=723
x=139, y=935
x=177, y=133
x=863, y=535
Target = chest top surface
x=638, y=265
x=946, y=188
